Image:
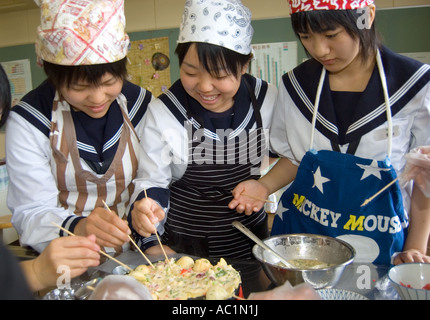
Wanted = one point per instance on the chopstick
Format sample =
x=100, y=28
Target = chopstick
x=156, y=234
x=161, y=245
x=366, y=202
x=131, y=239
x=143, y=255
x=100, y=251
x=256, y=198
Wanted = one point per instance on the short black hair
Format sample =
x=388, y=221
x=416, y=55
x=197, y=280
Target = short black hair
x=215, y=59
x=5, y=96
x=322, y=20
x=63, y=76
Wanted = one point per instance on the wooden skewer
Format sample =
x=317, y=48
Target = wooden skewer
x=137, y=247
x=106, y=206
x=100, y=251
x=156, y=234
x=379, y=192
x=238, y=298
x=131, y=239
x=256, y=198
x=161, y=245
x=384, y=188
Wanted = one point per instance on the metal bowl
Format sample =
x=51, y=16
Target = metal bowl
x=121, y=270
x=337, y=253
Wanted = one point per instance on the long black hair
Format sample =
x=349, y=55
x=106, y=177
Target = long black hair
x=324, y=20
x=5, y=97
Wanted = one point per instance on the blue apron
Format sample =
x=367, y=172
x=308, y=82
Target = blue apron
x=329, y=189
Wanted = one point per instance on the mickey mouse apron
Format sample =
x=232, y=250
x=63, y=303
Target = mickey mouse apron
x=329, y=189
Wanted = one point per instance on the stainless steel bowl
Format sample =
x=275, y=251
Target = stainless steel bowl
x=121, y=270
x=337, y=253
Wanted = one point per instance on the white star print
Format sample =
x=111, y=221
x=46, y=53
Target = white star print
x=319, y=180
x=372, y=170
x=281, y=210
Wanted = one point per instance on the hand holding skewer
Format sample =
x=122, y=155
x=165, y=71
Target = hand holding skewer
x=156, y=233
x=132, y=241
x=100, y=251
x=146, y=213
x=110, y=230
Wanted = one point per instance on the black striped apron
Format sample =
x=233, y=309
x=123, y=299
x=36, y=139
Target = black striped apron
x=199, y=221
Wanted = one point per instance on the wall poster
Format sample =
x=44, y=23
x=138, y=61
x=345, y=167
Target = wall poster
x=149, y=64
x=19, y=74
x=272, y=60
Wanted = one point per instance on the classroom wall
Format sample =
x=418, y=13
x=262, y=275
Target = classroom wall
x=17, y=28
x=404, y=28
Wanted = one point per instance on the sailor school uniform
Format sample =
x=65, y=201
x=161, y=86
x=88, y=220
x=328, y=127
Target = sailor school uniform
x=63, y=163
x=343, y=165
x=201, y=156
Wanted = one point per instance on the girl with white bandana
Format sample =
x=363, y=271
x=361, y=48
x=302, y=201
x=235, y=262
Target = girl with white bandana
x=344, y=121
x=206, y=134
x=73, y=142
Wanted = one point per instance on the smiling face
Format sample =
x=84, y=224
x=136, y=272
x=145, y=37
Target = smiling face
x=91, y=99
x=214, y=93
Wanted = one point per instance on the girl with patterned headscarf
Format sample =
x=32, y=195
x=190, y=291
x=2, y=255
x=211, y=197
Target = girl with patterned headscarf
x=73, y=142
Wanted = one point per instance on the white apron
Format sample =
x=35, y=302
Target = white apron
x=80, y=189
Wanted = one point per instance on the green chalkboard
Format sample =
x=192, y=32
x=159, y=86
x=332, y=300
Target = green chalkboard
x=403, y=30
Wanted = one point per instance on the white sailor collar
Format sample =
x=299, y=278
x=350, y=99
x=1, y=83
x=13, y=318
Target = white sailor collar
x=405, y=78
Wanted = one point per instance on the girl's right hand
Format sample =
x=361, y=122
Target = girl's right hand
x=110, y=230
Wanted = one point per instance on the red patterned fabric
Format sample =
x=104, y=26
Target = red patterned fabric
x=312, y=5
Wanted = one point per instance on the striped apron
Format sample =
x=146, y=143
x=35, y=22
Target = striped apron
x=80, y=189
x=199, y=221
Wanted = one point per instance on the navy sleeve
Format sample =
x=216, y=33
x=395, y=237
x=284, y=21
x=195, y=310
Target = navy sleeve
x=161, y=195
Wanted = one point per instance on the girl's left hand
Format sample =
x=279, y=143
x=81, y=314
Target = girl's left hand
x=249, y=196
x=410, y=256
x=145, y=214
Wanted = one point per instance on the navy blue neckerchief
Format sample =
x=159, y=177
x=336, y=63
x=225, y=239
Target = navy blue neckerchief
x=36, y=107
x=186, y=108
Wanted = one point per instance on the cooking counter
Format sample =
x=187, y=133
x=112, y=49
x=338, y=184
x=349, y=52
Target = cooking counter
x=367, y=280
